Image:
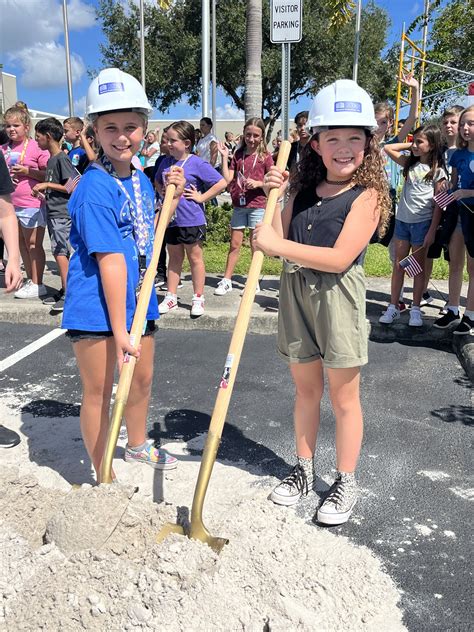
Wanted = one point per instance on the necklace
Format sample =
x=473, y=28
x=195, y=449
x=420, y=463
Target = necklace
x=336, y=182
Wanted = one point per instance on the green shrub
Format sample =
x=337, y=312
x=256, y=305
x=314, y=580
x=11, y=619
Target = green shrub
x=218, y=223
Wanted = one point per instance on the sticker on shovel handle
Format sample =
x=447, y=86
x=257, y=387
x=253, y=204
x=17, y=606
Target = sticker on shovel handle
x=226, y=373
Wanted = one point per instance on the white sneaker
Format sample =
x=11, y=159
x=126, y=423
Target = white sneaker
x=170, y=303
x=391, y=314
x=31, y=290
x=197, y=308
x=257, y=290
x=415, y=317
x=339, y=502
x=223, y=287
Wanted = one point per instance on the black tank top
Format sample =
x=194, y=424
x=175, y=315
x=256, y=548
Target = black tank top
x=318, y=221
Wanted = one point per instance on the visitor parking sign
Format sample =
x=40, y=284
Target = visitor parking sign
x=285, y=21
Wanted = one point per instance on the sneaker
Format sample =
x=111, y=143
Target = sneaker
x=415, y=317
x=170, y=303
x=466, y=326
x=197, y=308
x=159, y=280
x=293, y=487
x=426, y=299
x=159, y=459
x=444, y=309
x=8, y=438
x=447, y=319
x=31, y=290
x=58, y=307
x=257, y=290
x=51, y=300
x=223, y=287
x=402, y=306
x=337, y=506
x=123, y=434
x=391, y=314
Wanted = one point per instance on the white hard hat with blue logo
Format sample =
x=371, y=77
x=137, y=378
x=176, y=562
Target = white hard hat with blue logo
x=113, y=90
x=342, y=104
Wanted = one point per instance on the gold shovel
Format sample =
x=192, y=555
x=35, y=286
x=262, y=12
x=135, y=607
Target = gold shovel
x=126, y=373
x=197, y=530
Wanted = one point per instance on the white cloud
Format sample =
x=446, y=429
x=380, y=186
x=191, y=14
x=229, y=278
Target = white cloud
x=229, y=111
x=40, y=21
x=44, y=65
x=79, y=107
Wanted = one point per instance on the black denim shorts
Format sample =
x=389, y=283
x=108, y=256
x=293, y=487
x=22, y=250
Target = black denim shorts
x=75, y=335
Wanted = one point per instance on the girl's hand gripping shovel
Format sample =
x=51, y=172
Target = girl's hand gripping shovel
x=196, y=529
x=128, y=367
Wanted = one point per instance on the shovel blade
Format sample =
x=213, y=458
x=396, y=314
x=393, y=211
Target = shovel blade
x=167, y=529
x=195, y=532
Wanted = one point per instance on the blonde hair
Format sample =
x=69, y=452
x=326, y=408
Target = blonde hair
x=18, y=112
x=460, y=142
x=262, y=149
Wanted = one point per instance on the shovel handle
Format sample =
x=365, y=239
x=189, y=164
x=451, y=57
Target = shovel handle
x=128, y=367
x=233, y=358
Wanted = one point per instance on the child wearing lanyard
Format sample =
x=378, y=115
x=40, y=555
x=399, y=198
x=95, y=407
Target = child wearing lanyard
x=338, y=197
x=112, y=213
x=250, y=163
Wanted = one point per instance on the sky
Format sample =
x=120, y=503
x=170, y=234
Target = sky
x=32, y=48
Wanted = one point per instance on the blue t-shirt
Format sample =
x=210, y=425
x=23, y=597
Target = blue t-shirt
x=198, y=173
x=79, y=159
x=463, y=161
x=101, y=222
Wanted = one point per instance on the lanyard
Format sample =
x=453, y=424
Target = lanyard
x=241, y=179
x=23, y=151
x=140, y=229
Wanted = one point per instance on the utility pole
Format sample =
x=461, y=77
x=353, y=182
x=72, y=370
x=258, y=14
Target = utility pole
x=68, y=60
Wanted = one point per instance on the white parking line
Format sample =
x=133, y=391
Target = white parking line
x=31, y=348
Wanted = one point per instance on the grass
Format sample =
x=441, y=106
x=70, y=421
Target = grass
x=377, y=262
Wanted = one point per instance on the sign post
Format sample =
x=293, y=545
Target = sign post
x=285, y=28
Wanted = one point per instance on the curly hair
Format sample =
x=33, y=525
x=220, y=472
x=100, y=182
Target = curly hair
x=370, y=175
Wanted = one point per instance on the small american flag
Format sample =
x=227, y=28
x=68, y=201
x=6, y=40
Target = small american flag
x=71, y=183
x=444, y=198
x=411, y=266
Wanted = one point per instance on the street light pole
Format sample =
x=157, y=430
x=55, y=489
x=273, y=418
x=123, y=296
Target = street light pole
x=68, y=60
x=142, y=43
x=205, y=57
x=355, y=68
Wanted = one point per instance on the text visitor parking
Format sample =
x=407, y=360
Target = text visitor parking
x=285, y=21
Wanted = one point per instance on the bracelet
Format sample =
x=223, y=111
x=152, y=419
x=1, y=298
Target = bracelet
x=281, y=199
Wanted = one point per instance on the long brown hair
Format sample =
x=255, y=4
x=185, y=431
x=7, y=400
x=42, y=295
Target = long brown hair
x=262, y=149
x=460, y=142
x=185, y=132
x=435, y=158
x=311, y=171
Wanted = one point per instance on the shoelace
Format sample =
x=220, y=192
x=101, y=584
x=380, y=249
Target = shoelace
x=335, y=494
x=297, y=479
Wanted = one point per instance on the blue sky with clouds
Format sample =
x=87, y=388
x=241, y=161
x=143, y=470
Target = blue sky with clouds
x=32, y=48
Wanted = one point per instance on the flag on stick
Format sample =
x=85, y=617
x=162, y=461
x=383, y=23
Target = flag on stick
x=71, y=183
x=411, y=266
x=444, y=198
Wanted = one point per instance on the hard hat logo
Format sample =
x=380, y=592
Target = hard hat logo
x=347, y=106
x=111, y=86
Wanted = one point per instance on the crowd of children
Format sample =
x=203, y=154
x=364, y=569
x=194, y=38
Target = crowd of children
x=98, y=190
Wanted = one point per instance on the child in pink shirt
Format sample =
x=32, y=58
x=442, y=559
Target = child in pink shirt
x=27, y=165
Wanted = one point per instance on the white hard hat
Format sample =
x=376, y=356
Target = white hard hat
x=342, y=104
x=114, y=89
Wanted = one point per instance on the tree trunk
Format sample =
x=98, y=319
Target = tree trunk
x=253, y=74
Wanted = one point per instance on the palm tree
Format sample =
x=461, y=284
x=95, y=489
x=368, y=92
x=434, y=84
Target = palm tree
x=253, y=47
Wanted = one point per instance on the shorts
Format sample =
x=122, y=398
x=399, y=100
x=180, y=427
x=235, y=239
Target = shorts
x=413, y=233
x=246, y=217
x=186, y=235
x=75, y=335
x=322, y=316
x=466, y=212
x=59, y=229
x=31, y=217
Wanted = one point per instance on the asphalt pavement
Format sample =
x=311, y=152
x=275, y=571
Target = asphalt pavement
x=415, y=465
